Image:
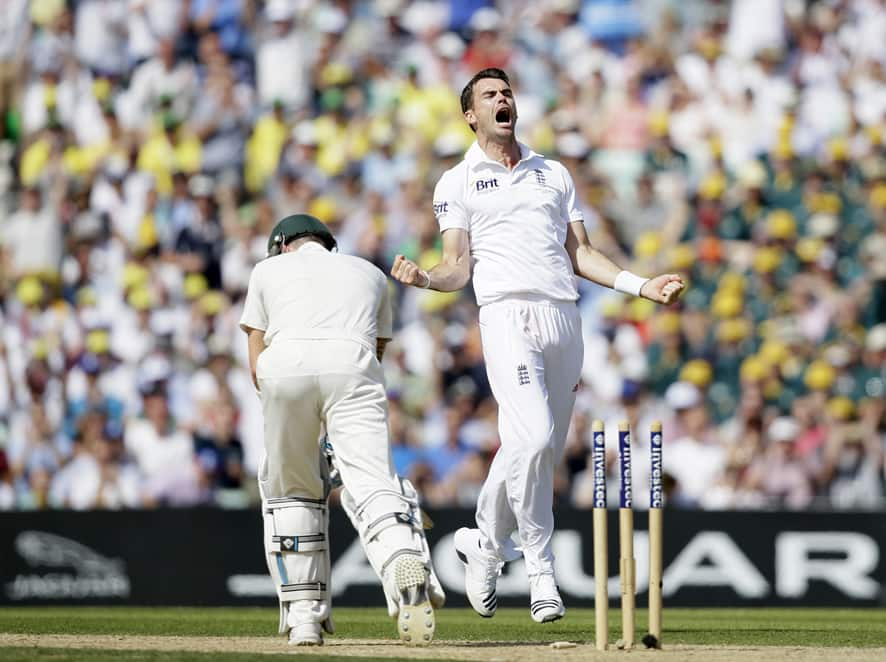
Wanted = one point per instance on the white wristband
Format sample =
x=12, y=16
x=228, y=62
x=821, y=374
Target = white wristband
x=629, y=283
x=427, y=279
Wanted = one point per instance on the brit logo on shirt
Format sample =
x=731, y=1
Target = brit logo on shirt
x=482, y=185
x=522, y=374
x=539, y=177
x=440, y=208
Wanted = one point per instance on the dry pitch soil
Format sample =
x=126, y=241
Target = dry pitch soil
x=448, y=650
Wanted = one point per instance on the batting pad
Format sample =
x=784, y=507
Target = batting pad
x=389, y=525
x=296, y=546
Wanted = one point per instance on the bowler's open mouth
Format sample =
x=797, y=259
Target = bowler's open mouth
x=503, y=116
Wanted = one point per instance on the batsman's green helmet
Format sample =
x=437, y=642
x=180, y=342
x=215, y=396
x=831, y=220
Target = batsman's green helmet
x=295, y=226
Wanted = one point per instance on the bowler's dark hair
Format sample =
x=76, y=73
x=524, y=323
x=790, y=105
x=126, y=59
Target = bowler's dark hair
x=467, y=94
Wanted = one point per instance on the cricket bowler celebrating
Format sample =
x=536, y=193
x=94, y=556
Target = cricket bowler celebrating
x=317, y=325
x=512, y=214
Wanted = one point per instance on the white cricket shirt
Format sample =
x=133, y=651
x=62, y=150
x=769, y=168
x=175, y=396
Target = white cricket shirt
x=516, y=221
x=312, y=294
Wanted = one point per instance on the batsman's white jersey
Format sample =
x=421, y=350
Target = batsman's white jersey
x=517, y=224
x=321, y=313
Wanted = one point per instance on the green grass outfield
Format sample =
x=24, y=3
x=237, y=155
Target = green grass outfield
x=856, y=628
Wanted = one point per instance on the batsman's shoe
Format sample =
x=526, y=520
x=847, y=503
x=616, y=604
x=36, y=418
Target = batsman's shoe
x=481, y=571
x=415, y=622
x=435, y=593
x=306, y=634
x=545, y=602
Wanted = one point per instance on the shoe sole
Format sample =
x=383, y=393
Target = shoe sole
x=464, y=559
x=416, y=622
x=306, y=642
x=547, y=618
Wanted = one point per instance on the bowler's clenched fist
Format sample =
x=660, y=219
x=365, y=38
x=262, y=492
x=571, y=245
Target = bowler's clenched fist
x=663, y=289
x=408, y=272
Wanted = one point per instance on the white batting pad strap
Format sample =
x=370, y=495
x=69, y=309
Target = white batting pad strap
x=375, y=527
x=376, y=501
x=303, y=591
x=309, y=543
x=294, y=502
x=382, y=510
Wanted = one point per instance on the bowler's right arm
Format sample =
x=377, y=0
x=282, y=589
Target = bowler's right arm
x=453, y=272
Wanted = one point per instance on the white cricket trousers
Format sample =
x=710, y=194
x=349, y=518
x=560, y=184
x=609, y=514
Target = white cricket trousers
x=304, y=384
x=533, y=351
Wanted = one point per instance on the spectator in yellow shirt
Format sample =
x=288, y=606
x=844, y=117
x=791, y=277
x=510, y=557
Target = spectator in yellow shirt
x=174, y=149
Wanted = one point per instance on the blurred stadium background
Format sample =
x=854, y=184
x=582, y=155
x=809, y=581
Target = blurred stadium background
x=148, y=147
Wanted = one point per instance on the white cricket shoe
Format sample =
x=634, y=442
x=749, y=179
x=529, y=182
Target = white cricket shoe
x=481, y=571
x=545, y=603
x=415, y=621
x=306, y=634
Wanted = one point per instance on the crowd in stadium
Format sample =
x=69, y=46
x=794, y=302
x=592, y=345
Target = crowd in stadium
x=148, y=147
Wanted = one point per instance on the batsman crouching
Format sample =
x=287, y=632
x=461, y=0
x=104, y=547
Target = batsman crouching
x=317, y=324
